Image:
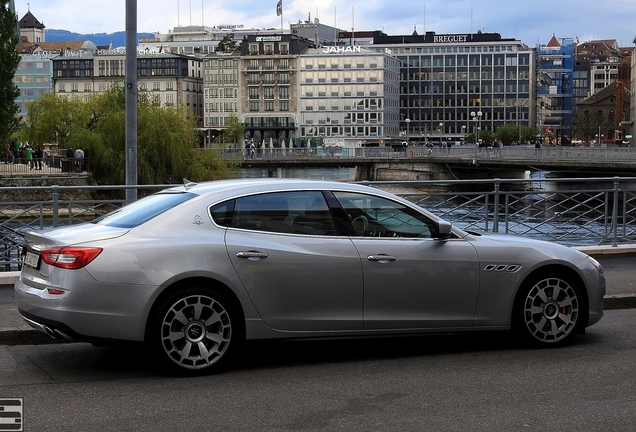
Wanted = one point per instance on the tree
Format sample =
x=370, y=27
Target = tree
x=586, y=124
x=509, y=133
x=234, y=130
x=168, y=149
x=227, y=44
x=9, y=60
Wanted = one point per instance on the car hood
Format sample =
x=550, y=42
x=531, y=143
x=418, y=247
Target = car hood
x=74, y=234
x=514, y=244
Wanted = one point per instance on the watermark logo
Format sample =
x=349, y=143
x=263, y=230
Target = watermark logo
x=11, y=414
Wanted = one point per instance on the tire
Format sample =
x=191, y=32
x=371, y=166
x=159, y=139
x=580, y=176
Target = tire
x=548, y=311
x=194, y=331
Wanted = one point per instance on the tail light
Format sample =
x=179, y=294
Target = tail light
x=69, y=257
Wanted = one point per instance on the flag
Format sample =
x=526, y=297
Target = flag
x=576, y=41
x=279, y=8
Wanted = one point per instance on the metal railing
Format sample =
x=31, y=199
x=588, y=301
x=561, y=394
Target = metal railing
x=573, y=211
x=465, y=151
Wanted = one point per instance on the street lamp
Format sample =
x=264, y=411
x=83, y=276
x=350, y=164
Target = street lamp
x=408, y=120
x=441, y=133
x=476, y=118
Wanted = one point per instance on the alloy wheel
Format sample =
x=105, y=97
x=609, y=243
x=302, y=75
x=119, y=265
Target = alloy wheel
x=551, y=310
x=196, y=332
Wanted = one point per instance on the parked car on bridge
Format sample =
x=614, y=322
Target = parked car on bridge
x=196, y=270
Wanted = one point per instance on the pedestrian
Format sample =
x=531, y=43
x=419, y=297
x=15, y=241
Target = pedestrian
x=537, y=149
x=28, y=154
x=38, y=157
x=15, y=148
x=7, y=155
x=79, y=159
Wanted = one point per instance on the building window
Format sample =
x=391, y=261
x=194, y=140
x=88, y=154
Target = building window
x=254, y=106
x=253, y=93
x=269, y=106
x=253, y=79
x=284, y=106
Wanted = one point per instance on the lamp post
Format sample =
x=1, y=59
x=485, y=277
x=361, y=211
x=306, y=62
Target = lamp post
x=476, y=118
x=463, y=134
x=441, y=134
x=408, y=120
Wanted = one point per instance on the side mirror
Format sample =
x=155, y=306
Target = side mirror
x=444, y=230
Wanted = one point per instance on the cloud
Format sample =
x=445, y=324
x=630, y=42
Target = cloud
x=528, y=20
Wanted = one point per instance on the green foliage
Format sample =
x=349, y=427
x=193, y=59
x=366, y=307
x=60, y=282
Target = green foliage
x=509, y=133
x=167, y=144
x=586, y=124
x=234, y=130
x=9, y=60
x=227, y=44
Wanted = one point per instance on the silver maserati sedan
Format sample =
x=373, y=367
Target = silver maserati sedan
x=194, y=271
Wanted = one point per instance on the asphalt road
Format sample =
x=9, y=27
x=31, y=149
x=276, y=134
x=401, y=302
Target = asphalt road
x=479, y=382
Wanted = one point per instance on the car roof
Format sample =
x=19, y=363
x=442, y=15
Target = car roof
x=234, y=187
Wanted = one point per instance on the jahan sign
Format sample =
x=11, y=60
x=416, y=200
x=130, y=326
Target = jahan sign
x=341, y=50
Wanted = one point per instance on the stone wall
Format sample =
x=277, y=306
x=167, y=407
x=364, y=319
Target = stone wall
x=22, y=193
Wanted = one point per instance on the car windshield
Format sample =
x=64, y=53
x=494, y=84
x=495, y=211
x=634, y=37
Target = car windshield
x=143, y=210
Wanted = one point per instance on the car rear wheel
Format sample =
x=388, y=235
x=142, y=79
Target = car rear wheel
x=548, y=311
x=194, y=331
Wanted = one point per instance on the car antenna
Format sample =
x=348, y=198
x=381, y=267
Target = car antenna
x=188, y=184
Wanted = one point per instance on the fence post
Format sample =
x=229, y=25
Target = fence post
x=495, y=227
x=615, y=212
x=54, y=196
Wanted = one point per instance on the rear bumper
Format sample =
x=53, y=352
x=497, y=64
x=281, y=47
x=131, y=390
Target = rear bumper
x=85, y=314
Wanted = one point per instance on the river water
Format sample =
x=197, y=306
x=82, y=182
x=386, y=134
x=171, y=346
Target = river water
x=335, y=174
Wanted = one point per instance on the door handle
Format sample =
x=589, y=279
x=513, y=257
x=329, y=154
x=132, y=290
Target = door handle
x=251, y=255
x=381, y=258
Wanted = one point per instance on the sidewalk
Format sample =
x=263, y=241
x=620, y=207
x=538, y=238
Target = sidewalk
x=621, y=294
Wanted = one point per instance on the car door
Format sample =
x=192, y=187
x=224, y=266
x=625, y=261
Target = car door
x=300, y=275
x=411, y=279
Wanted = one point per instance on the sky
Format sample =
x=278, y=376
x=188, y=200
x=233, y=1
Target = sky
x=531, y=21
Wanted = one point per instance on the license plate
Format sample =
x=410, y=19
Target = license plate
x=32, y=259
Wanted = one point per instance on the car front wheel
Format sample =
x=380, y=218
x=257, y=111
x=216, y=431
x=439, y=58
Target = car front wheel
x=549, y=311
x=193, y=331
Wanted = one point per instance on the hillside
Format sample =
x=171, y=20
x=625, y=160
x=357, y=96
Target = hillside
x=118, y=39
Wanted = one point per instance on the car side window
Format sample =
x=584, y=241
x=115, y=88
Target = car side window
x=373, y=216
x=299, y=212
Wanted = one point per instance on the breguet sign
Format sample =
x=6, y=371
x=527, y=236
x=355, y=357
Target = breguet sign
x=450, y=38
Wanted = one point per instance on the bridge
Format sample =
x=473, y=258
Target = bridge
x=455, y=162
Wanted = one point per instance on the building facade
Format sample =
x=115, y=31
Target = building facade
x=221, y=92
x=170, y=79
x=555, y=91
x=269, y=87
x=349, y=96
x=454, y=84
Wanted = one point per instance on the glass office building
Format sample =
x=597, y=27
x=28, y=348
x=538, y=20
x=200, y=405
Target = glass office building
x=444, y=79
